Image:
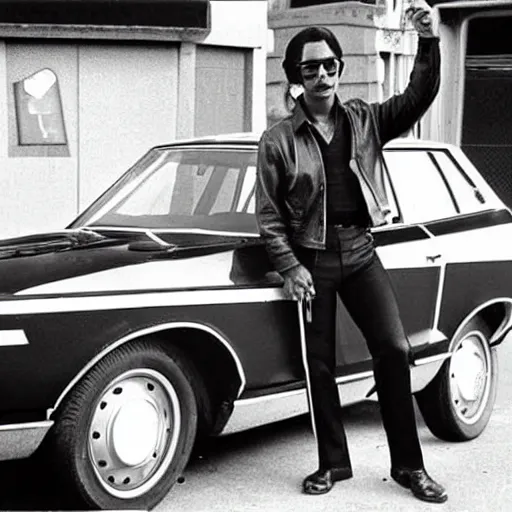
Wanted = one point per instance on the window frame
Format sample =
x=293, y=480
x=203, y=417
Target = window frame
x=428, y=151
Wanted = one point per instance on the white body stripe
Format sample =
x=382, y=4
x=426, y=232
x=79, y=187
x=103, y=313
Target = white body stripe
x=201, y=271
x=439, y=299
x=493, y=243
x=412, y=254
x=139, y=301
x=13, y=337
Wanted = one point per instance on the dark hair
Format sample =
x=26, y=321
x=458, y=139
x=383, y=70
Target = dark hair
x=293, y=53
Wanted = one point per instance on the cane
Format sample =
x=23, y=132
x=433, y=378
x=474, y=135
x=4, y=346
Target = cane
x=305, y=304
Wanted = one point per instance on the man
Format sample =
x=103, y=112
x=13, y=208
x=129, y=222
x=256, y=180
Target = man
x=320, y=188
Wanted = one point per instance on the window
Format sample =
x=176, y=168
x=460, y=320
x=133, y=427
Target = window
x=39, y=110
x=421, y=190
x=190, y=188
x=41, y=98
x=466, y=194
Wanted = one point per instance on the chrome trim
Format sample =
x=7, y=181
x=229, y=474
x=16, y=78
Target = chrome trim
x=144, y=332
x=20, y=440
x=426, y=231
x=433, y=359
x=156, y=239
x=176, y=230
x=244, y=145
x=25, y=426
x=253, y=412
x=274, y=396
x=355, y=377
x=439, y=298
x=504, y=327
x=472, y=314
x=440, y=287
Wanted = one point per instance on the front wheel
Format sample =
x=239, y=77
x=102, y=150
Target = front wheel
x=458, y=403
x=125, y=434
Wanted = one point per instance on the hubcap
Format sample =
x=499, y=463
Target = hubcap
x=134, y=431
x=470, y=377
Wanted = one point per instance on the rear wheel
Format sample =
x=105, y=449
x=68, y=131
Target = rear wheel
x=458, y=403
x=125, y=433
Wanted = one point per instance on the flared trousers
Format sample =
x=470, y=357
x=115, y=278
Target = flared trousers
x=351, y=269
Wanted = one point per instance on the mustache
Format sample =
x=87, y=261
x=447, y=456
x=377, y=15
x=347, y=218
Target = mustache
x=322, y=86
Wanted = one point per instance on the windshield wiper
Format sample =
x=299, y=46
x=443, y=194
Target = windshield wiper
x=47, y=242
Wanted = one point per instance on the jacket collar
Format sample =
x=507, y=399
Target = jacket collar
x=300, y=114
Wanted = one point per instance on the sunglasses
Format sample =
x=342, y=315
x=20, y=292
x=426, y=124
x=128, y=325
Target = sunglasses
x=310, y=68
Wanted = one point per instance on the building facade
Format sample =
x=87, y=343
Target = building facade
x=474, y=105
x=377, y=42
x=86, y=87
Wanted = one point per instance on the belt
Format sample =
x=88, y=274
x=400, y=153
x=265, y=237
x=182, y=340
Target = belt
x=345, y=225
x=348, y=220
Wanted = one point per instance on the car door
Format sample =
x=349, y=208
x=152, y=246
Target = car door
x=419, y=194
x=475, y=243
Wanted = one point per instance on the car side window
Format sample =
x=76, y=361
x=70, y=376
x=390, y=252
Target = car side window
x=421, y=189
x=464, y=191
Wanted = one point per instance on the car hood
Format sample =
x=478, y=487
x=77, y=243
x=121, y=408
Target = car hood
x=80, y=261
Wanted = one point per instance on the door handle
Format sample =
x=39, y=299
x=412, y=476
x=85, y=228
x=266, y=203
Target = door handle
x=433, y=257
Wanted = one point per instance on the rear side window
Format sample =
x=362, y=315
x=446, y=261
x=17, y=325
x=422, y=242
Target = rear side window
x=421, y=189
x=466, y=195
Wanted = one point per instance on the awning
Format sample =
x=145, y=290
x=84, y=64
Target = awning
x=184, y=14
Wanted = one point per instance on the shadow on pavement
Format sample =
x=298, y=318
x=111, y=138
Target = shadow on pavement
x=28, y=484
x=360, y=415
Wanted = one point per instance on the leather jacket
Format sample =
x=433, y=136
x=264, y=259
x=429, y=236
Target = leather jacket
x=291, y=188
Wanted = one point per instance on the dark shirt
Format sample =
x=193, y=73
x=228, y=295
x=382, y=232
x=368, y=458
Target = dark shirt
x=345, y=200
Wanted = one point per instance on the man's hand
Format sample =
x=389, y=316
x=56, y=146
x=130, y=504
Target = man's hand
x=298, y=282
x=420, y=14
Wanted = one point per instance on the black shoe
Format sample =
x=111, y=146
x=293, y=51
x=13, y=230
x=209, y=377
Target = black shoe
x=421, y=485
x=321, y=481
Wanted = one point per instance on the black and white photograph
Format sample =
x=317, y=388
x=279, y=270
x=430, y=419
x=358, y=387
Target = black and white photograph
x=256, y=255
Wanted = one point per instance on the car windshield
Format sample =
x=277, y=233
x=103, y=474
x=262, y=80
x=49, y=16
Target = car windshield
x=209, y=189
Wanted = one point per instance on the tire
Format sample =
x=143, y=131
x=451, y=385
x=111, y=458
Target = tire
x=125, y=433
x=458, y=403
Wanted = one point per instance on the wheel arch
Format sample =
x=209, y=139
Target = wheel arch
x=497, y=314
x=187, y=336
